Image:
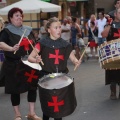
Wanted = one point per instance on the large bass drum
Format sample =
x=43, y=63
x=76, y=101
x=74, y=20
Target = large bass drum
x=57, y=95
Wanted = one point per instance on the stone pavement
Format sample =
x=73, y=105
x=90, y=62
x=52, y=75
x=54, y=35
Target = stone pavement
x=92, y=95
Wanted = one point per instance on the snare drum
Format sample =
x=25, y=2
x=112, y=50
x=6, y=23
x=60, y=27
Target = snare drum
x=57, y=95
x=109, y=55
x=27, y=74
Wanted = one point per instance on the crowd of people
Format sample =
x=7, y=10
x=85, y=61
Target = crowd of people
x=51, y=47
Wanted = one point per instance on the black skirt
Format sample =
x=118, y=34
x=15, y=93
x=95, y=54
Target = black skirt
x=112, y=76
x=13, y=77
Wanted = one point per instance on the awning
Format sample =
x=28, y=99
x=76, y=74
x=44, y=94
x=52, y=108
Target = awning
x=46, y=0
x=76, y=0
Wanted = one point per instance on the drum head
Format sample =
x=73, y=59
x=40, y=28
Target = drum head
x=32, y=65
x=55, y=81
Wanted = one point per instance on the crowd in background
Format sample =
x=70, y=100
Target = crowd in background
x=70, y=34
x=72, y=31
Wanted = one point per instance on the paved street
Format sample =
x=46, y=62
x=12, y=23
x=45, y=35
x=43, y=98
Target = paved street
x=92, y=96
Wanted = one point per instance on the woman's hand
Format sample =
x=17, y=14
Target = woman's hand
x=38, y=59
x=15, y=47
x=77, y=62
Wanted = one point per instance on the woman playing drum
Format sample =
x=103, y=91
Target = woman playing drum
x=54, y=51
x=9, y=39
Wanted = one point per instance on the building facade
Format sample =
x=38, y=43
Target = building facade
x=79, y=8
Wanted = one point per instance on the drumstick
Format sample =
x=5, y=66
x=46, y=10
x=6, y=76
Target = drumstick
x=82, y=55
x=34, y=49
x=21, y=38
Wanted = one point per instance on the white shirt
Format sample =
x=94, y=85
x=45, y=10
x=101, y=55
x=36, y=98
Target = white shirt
x=101, y=24
x=66, y=35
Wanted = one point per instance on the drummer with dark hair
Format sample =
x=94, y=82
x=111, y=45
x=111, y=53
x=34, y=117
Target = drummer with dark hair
x=9, y=40
x=111, y=32
x=54, y=51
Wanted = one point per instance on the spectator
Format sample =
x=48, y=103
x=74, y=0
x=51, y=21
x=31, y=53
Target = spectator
x=92, y=33
x=102, y=21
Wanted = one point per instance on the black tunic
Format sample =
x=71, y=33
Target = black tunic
x=55, y=54
x=113, y=75
x=8, y=76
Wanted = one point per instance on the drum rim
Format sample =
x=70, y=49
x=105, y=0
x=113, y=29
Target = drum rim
x=54, y=74
x=108, y=42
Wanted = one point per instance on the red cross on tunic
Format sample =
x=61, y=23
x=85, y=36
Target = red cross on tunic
x=55, y=104
x=56, y=56
x=31, y=76
x=25, y=43
x=117, y=34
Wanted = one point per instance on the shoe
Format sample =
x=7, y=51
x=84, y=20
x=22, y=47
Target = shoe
x=113, y=92
x=33, y=117
x=18, y=118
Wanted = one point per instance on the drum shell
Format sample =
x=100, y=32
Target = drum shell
x=23, y=81
x=66, y=93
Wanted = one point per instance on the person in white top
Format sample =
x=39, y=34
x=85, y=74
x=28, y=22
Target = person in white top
x=102, y=21
x=66, y=30
x=92, y=19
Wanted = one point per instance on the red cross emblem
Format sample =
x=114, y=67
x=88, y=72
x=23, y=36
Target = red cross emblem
x=56, y=56
x=55, y=104
x=31, y=76
x=25, y=43
x=117, y=34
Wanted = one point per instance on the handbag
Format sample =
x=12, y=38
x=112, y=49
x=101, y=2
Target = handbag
x=95, y=38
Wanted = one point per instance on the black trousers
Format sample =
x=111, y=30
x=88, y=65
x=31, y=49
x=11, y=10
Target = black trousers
x=31, y=97
x=47, y=118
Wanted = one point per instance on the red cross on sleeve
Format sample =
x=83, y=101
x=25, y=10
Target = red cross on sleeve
x=117, y=34
x=37, y=46
x=25, y=43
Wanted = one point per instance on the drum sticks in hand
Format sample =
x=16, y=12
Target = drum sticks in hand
x=21, y=38
x=34, y=49
x=82, y=55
